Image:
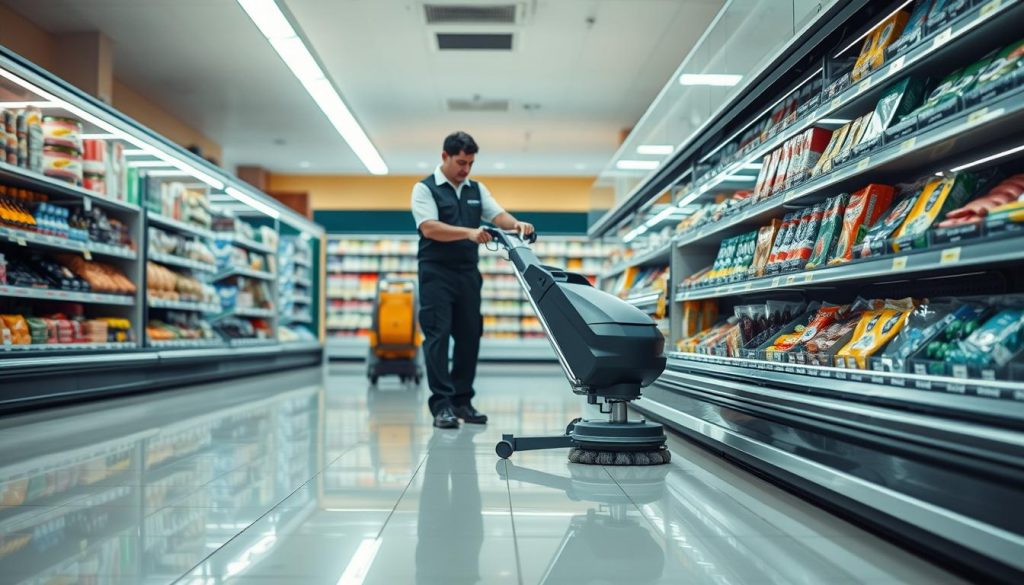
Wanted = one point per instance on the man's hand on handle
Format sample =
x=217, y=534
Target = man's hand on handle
x=479, y=236
x=524, y=228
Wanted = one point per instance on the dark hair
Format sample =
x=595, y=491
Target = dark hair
x=457, y=142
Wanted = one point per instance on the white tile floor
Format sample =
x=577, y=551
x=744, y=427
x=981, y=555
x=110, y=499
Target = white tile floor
x=296, y=478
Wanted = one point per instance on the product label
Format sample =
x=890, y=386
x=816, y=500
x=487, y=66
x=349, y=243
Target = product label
x=897, y=64
x=864, y=164
x=87, y=204
x=864, y=86
x=908, y=144
x=989, y=8
x=950, y=256
x=899, y=263
x=776, y=281
x=942, y=38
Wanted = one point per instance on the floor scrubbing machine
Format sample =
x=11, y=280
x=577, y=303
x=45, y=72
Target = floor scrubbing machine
x=608, y=349
x=395, y=337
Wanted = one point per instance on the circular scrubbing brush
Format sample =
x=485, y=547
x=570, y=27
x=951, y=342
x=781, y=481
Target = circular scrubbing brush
x=596, y=457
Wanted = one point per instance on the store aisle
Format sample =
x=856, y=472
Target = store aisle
x=295, y=478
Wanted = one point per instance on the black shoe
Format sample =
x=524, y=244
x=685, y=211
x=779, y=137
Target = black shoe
x=471, y=415
x=446, y=419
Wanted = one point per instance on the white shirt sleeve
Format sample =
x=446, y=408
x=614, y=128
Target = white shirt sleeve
x=489, y=208
x=424, y=208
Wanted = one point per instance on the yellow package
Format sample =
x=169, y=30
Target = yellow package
x=708, y=313
x=927, y=207
x=873, y=331
x=825, y=162
x=691, y=318
x=866, y=49
x=887, y=33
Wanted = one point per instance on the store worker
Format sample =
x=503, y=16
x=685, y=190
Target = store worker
x=448, y=208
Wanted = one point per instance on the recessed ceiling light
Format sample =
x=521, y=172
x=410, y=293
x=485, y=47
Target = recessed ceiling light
x=654, y=149
x=304, y=164
x=421, y=165
x=637, y=165
x=579, y=166
x=714, y=79
x=499, y=165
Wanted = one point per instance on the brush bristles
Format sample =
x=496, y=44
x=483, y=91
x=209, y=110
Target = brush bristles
x=590, y=457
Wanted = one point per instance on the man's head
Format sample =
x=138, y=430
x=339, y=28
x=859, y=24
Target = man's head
x=457, y=156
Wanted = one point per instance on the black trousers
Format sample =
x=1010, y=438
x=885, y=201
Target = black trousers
x=450, y=308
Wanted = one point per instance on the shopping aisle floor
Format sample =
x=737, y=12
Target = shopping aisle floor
x=296, y=479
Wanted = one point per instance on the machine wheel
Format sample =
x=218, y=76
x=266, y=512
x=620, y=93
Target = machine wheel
x=572, y=425
x=504, y=449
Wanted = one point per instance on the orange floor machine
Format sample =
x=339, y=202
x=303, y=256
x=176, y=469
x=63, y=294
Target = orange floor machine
x=395, y=336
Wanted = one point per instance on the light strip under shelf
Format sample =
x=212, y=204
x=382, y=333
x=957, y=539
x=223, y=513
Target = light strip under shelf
x=282, y=36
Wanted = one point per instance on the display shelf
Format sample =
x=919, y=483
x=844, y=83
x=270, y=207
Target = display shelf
x=62, y=295
x=958, y=395
x=237, y=240
x=252, y=313
x=302, y=300
x=246, y=272
x=863, y=95
x=27, y=179
x=155, y=303
x=52, y=347
x=304, y=282
x=297, y=320
x=658, y=255
x=25, y=238
x=302, y=263
x=185, y=343
x=180, y=226
x=963, y=134
x=984, y=253
x=172, y=260
x=251, y=342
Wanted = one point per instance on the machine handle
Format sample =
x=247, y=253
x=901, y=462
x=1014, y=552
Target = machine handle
x=505, y=237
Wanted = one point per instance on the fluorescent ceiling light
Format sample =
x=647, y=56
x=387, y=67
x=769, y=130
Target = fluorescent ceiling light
x=253, y=202
x=833, y=121
x=637, y=165
x=987, y=159
x=655, y=149
x=167, y=173
x=268, y=17
x=712, y=79
x=98, y=137
x=137, y=152
x=37, y=104
x=756, y=166
x=745, y=178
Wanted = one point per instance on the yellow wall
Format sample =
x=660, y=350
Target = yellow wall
x=33, y=43
x=567, y=194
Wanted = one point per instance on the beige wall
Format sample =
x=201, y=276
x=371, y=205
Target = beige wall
x=571, y=194
x=33, y=43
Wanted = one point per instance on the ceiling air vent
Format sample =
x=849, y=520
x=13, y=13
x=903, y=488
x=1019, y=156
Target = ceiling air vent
x=474, y=41
x=470, y=14
x=477, y=105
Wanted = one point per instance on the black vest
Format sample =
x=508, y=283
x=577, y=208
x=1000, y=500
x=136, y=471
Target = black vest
x=453, y=210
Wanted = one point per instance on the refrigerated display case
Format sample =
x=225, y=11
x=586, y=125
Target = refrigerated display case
x=124, y=258
x=844, y=293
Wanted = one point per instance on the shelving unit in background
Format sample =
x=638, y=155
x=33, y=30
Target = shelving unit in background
x=511, y=330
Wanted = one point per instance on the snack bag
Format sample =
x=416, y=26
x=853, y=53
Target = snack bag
x=863, y=209
x=887, y=33
x=828, y=233
x=897, y=102
x=794, y=237
x=785, y=231
x=875, y=329
x=19, y=329
x=763, y=189
x=783, y=167
x=1005, y=63
x=765, y=243
x=825, y=316
x=691, y=318
x=860, y=67
x=812, y=144
x=876, y=237
x=824, y=164
x=803, y=248
x=924, y=323
x=939, y=197
x=994, y=344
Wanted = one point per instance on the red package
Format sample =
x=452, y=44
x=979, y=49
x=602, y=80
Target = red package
x=813, y=143
x=763, y=187
x=789, y=223
x=780, y=171
x=862, y=211
x=803, y=246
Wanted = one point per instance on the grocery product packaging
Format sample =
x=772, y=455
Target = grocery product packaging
x=997, y=76
x=863, y=209
x=779, y=183
x=34, y=128
x=914, y=31
x=861, y=66
x=993, y=344
x=763, y=188
x=765, y=242
x=939, y=196
x=810, y=146
x=873, y=332
x=836, y=141
x=887, y=33
x=19, y=329
x=828, y=233
x=803, y=244
x=789, y=224
x=924, y=323
x=897, y=102
x=877, y=237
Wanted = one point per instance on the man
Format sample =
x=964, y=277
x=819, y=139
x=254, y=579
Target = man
x=448, y=209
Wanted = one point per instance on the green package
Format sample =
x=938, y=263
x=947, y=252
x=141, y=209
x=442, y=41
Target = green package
x=828, y=233
x=898, y=101
x=37, y=330
x=874, y=240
